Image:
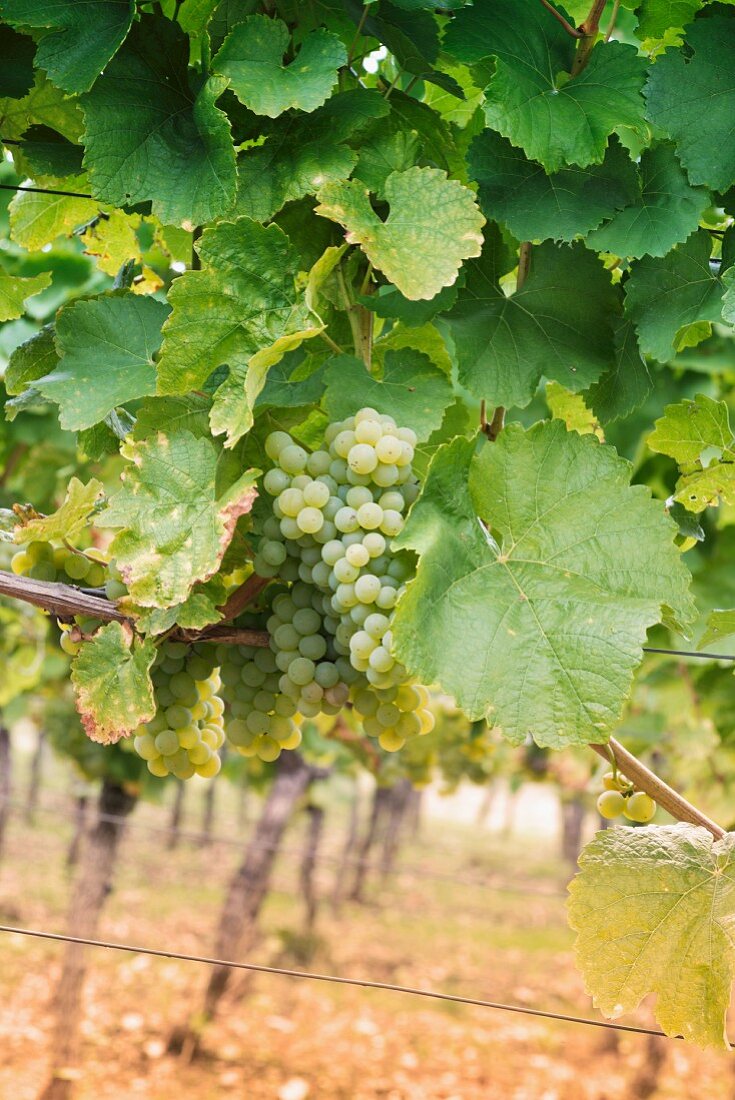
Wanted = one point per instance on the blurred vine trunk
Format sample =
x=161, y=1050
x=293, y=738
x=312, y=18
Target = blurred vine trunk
x=349, y=848
x=247, y=891
x=210, y=796
x=92, y=886
x=415, y=816
x=6, y=782
x=309, y=857
x=573, y=813
x=81, y=803
x=396, y=824
x=177, y=815
x=375, y=826
x=646, y=1078
x=34, y=781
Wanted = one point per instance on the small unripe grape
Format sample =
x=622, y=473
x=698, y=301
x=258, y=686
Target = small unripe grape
x=211, y=768
x=388, y=714
x=357, y=495
x=145, y=746
x=306, y=620
x=368, y=431
x=273, y=552
x=392, y=524
x=39, y=551
x=392, y=500
x=427, y=720
x=610, y=804
x=310, y=520
x=96, y=575
x=367, y=588
x=275, y=443
x=338, y=470
x=345, y=594
x=70, y=647
x=385, y=476
x=381, y=660
x=639, y=806
x=408, y=725
x=344, y=572
x=362, y=458
x=391, y=741
x=326, y=674
x=347, y=519
x=362, y=645
x=317, y=464
x=407, y=435
x=167, y=742
x=301, y=671
x=291, y=501
x=357, y=555
x=268, y=749
x=290, y=528
x=316, y=494
x=157, y=767
x=77, y=566
x=332, y=552
x=374, y=543
x=369, y=516
x=188, y=737
x=387, y=598
x=276, y=481
x=21, y=563
x=293, y=741
x=389, y=449
x=342, y=445
x=293, y=459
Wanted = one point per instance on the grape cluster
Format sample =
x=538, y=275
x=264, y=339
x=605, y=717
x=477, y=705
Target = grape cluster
x=621, y=799
x=45, y=562
x=328, y=535
x=188, y=727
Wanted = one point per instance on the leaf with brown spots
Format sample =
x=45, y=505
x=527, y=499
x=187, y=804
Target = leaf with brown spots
x=112, y=685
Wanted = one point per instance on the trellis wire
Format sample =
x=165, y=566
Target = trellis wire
x=334, y=979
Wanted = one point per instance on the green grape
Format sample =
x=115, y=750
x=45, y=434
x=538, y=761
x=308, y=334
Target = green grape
x=310, y=520
x=70, y=647
x=313, y=647
x=362, y=458
x=610, y=804
x=42, y=571
x=167, y=742
x=374, y=543
x=268, y=749
x=145, y=746
x=316, y=494
x=301, y=671
x=96, y=576
x=293, y=459
x=275, y=481
x=367, y=588
x=77, y=567
x=639, y=806
x=21, y=563
x=115, y=590
x=40, y=552
x=275, y=443
x=344, y=571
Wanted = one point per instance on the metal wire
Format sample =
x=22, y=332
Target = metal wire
x=690, y=653
x=45, y=191
x=334, y=979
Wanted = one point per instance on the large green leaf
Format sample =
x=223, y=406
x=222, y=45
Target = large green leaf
x=530, y=541
x=176, y=519
x=31, y=360
x=107, y=347
x=303, y=152
x=555, y=121
x=242, y=309
x=663, y=295
x=433, y=225
x=149, y=136
x=14, y=291
x=663, y=214
x=656, y=17
x=504, y=344
x=38, y=219
x=626, y=384
x=69, y=519
x=535, y=206
x=654, y=911
x=411, y=390
x=691, y=97
x=81, y=38
x=251, y=58
x=112, y=685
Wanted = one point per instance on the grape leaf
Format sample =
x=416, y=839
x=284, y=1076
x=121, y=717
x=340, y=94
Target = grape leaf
x=433, y=225
x=720, y=625
x=14, y=291
x=665, y=212
x=112, y=685
x=626, y=384
x=45, y=105
x=653, y=910
x=389, y=302
x=689, y=428
x=194, y=15
x=288, y=387
x=691, y=97
x=572, y=410
x=559, y=616
x=554, y=121
x=304, y=152
x=106, y=346
x=200, y=609
x=31, y=360
x=241, y=309
x=251, y=58
x=81, y=38
x=38, y=219
x=412, y=390
x=664, y=295
x=503, y=345
x=656, y=17
x=698, y=436
x=69, y=519
x=536, y=206
x=17, y=75
x=44, y=152
x=148, y=136
x=113, y=240
x=177, y=518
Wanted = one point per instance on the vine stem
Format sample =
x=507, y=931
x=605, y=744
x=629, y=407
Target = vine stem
x=646, y=780
x=589, y=28
x=493, y=428
x=571, y=31
x=64, y=601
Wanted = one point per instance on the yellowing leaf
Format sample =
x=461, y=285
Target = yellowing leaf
x=69, y=519
x=112, y=686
